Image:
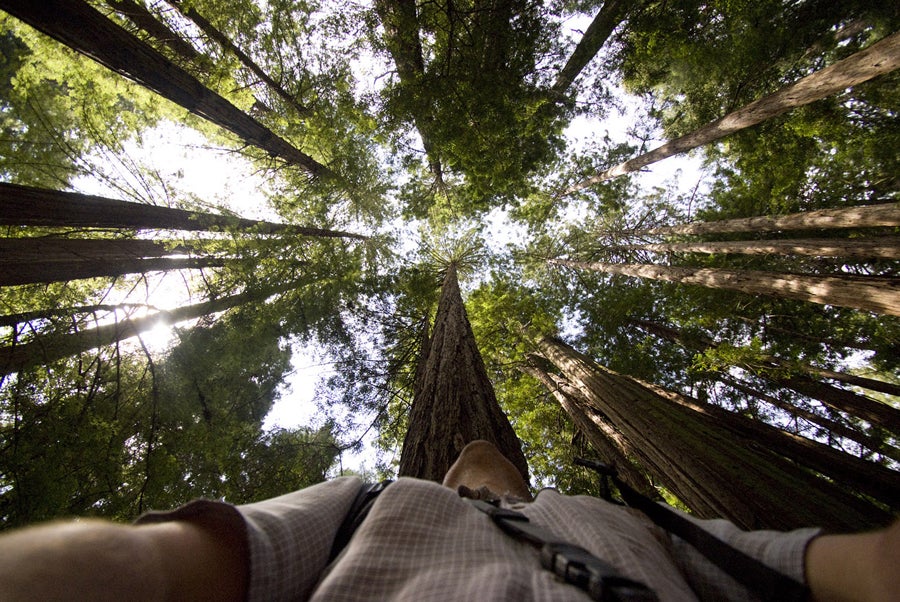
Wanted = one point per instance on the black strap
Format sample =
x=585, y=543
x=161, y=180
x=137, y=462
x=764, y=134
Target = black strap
x=358, y=512
x=572, y=563
x=759, y=578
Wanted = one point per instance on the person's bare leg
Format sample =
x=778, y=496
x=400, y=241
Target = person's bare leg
x=480, y=464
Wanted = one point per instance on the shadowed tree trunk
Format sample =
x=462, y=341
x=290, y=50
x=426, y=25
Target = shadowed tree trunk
x=772, y=369
x=43, y=350
x=12, y=320
x=613, y=448
x=79, y=26
x=837, y=429
x=846, y=469
x=12, y=274
x=878, y=59
x=607, y=19
x=454, y=400
x=139, y=15
x=28, y=206
x=863, y=216
x=884, y=247
x=210, y=30
x=713, y=469
x=879, y=295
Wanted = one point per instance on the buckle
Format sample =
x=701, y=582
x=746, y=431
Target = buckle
x=600, y=580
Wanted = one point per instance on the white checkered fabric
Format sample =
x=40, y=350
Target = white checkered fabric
x=421, y=541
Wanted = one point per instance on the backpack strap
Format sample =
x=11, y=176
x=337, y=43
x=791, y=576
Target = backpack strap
x=763, y=580
x=358, y=512
x=573, y=564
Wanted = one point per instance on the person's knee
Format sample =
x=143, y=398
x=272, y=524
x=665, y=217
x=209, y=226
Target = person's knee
x=481, y=464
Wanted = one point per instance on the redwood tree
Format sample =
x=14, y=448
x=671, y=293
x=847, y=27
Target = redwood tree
x=78, y=25
x=880, y=58
x=454, y=401
x=878, y=295
x=714, y=469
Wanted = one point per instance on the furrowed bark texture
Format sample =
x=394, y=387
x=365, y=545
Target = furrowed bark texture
x=874, y=294
x=716, y=471
x=454, y=401
x=850, y=471
x=80, y=27
x=613, y=448
x=878, y=59
x=29, y=206
x=864, y=216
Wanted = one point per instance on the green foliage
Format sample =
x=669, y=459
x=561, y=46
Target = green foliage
x=57, y=106
x=121, y=429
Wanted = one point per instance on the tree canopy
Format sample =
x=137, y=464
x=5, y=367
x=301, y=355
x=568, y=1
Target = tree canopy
x=199, y=197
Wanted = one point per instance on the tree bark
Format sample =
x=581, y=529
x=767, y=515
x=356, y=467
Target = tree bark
x=861, y=475
x=28, y=206
x=871, y=294
x=836, y=428
x=48, y=249
x=864, y=216
x=614, y=449
x=22, y=356
x=768, y=367
x=12, y=274
x=713, y=469
x=12, y=320
x=885, y=247
x=77, y=25
x=878, y=59
x=454, y=402
x=610, y=15
x=210, y=30
x=139, y=15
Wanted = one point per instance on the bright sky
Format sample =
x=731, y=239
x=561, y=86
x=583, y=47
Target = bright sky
x=187, y=165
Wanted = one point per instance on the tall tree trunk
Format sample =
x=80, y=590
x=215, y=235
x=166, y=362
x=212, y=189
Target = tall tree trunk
x=22, y=356
x=138, y=14
x=849, y=470
x=454, y=400
x=863, y=216
x=772, y=368
x=818, y=338
x=879, y=295
x=834, y=427
x=401, y=33
x=48, y=249
x=614, y=449
x=884, y=247
x=12, y=274
x=878, y=59
x=12, y=320
x=28, y=206
x=210, y=30
x=711, y=468
x=610, y=15
x=78, y=25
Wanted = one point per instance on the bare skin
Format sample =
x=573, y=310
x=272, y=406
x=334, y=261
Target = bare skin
x=480, y=464
x=97, y=560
